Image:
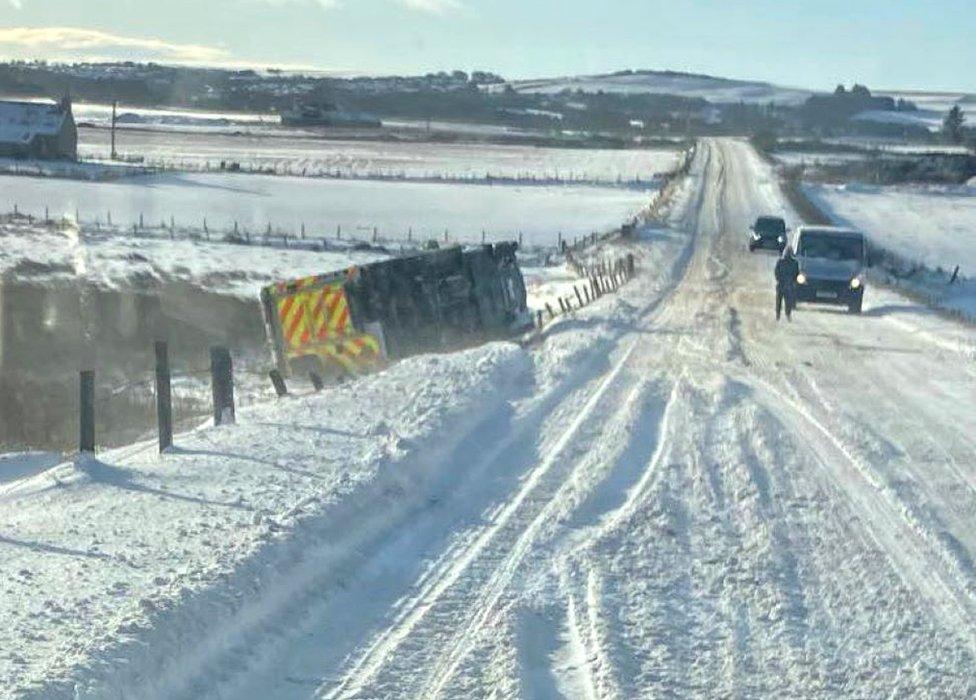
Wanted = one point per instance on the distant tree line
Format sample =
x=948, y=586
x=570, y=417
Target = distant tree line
x=476, y=96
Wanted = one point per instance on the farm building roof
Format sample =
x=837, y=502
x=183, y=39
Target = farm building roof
x=22, y=121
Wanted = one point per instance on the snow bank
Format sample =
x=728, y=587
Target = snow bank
x=19, y=465
x=129, y=570
x=108, y=554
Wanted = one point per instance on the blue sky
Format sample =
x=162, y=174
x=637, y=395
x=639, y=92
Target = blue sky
x=909, y=44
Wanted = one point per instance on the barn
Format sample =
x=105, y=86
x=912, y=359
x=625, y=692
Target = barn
x=38, y=130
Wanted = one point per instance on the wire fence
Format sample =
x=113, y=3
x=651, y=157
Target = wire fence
x=289, y=167
x=301, y=236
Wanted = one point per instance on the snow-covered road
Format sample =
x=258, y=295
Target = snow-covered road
x=695, y=502
x=730, y=507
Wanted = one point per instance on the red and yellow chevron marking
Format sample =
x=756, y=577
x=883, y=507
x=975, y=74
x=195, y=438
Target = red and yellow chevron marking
x=313, y=315
x=315, y=321
x=355, y=354
x=330, y=314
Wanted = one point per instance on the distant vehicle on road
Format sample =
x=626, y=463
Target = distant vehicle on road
x=832, y=264
x=768, y=232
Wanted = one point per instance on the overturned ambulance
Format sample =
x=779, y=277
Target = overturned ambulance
x=357, y=320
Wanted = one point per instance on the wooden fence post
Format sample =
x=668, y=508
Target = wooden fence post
x=579, y=296
x=164, y=399
x=538, y=318
x=86, y=433
x=222, y=382
x=279, y=383
x=562, y=305
x=552, y=314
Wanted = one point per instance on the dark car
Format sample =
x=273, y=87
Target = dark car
x=768, y=232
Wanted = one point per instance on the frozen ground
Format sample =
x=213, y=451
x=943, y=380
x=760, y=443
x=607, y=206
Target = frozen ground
x=396, y=209
x=307, y=156
x=666, y=494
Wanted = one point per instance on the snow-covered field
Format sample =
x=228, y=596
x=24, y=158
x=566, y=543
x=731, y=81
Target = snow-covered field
x=298, y=156
x=666, y=494
x=396, y=209
x=932, y=108
x=116, y=259
x=791, y=158
x=934, y=225
x=717, y=90
x=927, y=118
x=931, y=225
x=66, y=169
x=167, y=119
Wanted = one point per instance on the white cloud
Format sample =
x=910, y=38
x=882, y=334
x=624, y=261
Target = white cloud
x=434, y=7
x=17, y=4
x=66, y=43
x=325, y=4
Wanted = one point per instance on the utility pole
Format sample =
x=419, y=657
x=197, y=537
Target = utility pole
x=115, y=106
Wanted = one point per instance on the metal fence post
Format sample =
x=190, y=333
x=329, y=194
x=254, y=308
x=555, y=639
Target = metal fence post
x=86, y=437
x=164, y=399
x=222, y=380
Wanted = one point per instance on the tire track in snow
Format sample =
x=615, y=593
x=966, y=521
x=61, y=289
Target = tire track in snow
x=633, y=416
x=376, y=655
x=503, y=575
x=887, y=522
x=371, y=662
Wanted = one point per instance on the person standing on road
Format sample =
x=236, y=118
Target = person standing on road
x=787, y=268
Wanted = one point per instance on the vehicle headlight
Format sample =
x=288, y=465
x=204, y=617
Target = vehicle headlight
x=801, y=278
x=855, y=283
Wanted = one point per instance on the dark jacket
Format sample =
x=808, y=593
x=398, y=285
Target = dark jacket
x=787, y=268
